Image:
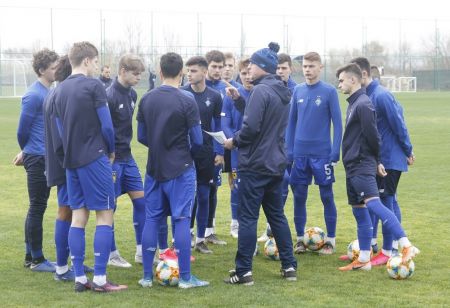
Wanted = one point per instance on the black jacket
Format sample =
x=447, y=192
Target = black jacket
x=361, y=142
x=262, y=136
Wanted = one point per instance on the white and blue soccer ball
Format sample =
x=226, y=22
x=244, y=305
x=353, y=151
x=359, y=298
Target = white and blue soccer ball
x=271, y=249
x=353, y=250
x=167, y=273
x=398, y=270
x=314, y=238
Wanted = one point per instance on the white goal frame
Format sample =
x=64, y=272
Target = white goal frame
x=399, y=84
x=19, y=77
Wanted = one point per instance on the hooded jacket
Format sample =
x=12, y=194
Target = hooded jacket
x=261, y=140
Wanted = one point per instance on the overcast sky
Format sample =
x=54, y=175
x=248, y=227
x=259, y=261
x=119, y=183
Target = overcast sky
x=347, y=23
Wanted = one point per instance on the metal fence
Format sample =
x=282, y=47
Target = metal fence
x=404, y=47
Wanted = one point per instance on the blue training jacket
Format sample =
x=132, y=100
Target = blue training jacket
x=395, y=143
x=30, y=133
x=313, y=108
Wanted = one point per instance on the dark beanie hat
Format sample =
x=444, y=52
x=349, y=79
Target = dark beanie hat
x=267, y=58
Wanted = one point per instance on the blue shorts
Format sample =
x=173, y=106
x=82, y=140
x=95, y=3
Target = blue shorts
x=170, y=198
x=126, y=177
x=91, y=186
x=63, y=196
x=304, y=168
x=361, y=187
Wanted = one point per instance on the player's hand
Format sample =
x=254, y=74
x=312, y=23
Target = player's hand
x=228, y=144
x=18, y=159
x=112, y=157
x=218, y=160
x=410, y=160
x=381, y=171
x=232, y=92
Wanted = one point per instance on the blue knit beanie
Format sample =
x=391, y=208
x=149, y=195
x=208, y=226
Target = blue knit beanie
x=267, y=58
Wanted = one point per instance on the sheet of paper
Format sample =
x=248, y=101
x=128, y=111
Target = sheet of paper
x=218, y=136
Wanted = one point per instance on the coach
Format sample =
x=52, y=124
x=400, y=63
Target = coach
x=262, y=162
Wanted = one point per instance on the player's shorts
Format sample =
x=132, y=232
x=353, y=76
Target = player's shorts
x=91, y=186
x=126, y=177
x=63, y=196
x=227, y=161
x=304, y=168
x=170, y=198
x=361, y=187
x=204, y=165
x=388, y=185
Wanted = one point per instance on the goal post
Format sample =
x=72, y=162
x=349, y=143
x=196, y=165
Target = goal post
x=399, y=84
x=13, y=77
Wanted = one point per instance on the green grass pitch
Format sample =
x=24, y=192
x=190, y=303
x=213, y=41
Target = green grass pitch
x=423, y=197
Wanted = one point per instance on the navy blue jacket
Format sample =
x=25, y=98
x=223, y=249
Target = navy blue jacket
x=121, y=103
x=54, y=154
x=261, y=138
x=361, y=142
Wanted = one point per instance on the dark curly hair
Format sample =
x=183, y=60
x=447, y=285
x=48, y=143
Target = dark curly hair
x=43, y=59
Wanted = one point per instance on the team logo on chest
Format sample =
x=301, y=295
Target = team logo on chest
x=300, y=101
x=208, y=102
x=318, y=101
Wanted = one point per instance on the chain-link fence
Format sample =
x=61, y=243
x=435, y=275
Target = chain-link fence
x=402, y=47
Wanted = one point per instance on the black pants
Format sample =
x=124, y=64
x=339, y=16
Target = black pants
x=38, y=194
x=256, y=190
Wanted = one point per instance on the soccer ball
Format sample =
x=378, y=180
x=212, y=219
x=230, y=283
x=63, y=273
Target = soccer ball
x=314, y=238
x=167, y=273
x=353, y=250
x=398, y=270
x=271, y=249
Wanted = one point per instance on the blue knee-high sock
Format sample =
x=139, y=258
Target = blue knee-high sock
x=149, y=245
x=364, y=224
x=102, y=247
x=375, y=221
x=387, y=217
x=329, y=209
x=202, y=209
x=138, y=218
x=234, y=198
x=183, y=247
x=300, y=195
x=77, y=247
x=387, y=235
x=396, y=208
x=113, y=239
x=212, y=205
x=163, y=233
x=62, y=241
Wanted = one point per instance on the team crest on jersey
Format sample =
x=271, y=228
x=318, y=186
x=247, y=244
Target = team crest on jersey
x=207, y=103
x=300, y=101
x=318, y=101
